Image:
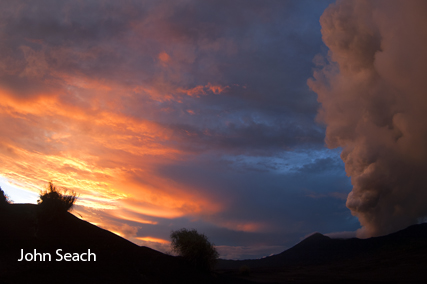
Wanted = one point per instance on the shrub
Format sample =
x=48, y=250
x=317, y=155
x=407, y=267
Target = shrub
x=52, y=202
x=194, y=248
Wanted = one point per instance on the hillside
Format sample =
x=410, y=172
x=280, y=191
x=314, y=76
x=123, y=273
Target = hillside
x=117, y=260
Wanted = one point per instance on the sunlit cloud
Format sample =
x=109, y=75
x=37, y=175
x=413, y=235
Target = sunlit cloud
x=154, y=240
x=159, y=116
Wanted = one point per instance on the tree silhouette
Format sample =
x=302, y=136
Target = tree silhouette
x=194, y=248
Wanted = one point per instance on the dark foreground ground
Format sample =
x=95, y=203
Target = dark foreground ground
x=396, y=258
x=117, y=260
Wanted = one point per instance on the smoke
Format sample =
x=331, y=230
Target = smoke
x=373, y=91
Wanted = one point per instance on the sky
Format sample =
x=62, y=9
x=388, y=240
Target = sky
x=255, y=122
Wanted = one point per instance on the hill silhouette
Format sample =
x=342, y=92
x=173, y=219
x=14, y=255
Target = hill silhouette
x=117, y=259
x=396, y=258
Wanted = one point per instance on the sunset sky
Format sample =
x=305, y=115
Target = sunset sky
x=213, y=115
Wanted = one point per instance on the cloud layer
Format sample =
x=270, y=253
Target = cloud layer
x=372, y=89
x=164, y=115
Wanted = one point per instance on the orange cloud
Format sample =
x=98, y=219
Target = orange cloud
x=107, y=157
x=216, y=89
x=202, y=90
x=154, y=240
x=70, y=117
x=164, y=57
x=194, y=92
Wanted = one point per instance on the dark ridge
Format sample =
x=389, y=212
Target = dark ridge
x=117, y=259
x=400, y=257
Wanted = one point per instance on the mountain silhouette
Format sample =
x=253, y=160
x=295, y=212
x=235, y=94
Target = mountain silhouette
x=400, y=257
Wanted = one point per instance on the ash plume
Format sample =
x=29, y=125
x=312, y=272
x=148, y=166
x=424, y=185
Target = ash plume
x=373, y=90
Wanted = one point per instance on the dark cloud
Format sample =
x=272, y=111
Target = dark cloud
x=277, y=199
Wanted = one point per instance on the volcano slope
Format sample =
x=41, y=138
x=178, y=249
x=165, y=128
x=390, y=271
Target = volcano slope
x=400, y=257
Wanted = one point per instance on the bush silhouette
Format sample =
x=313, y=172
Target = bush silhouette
x=194, y=248
x=53, y=203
